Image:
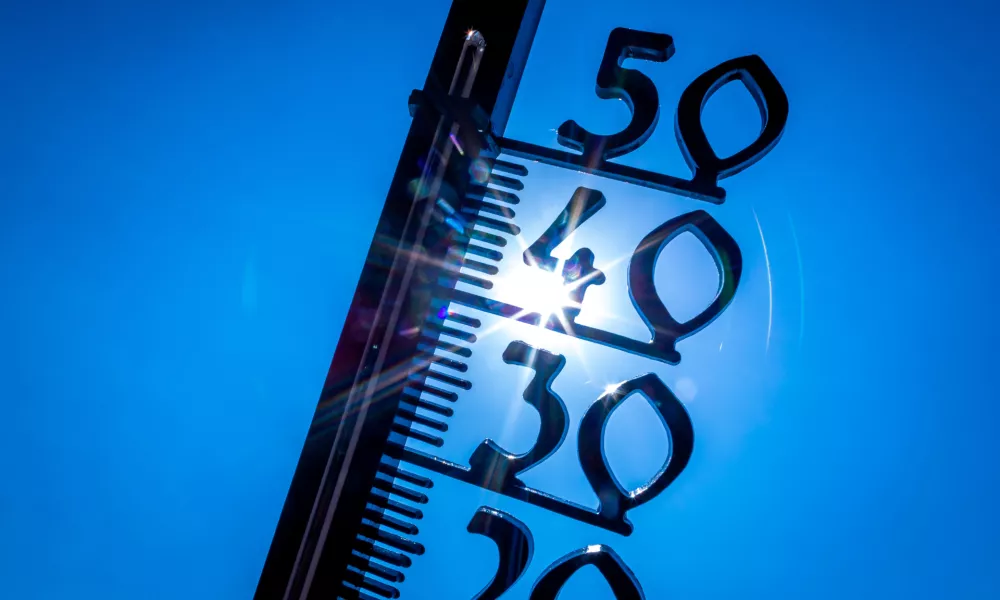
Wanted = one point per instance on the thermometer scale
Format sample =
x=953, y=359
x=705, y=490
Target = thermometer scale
x=417, y=400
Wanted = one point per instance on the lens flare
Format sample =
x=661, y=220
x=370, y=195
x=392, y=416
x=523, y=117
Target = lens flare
x=479, y=171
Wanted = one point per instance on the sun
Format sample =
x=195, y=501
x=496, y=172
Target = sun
x=536, y=291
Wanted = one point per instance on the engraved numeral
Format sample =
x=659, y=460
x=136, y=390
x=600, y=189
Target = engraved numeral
x=516, y=545
x=496, y=469
x=621, y=579
x=499, y=468
x=582, y=205
x=635, y=89
x=578, y=272
x=513, y=540
x=771, y=102
x=614, y=500
x=728, y=260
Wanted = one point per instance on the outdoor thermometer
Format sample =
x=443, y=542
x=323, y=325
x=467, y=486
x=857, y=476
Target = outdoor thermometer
x=513, y=302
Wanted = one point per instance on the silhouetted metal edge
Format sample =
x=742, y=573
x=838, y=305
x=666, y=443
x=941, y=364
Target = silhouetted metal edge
x=305, y=561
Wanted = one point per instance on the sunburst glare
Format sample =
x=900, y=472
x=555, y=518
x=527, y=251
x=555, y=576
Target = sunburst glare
x=536, y=290
x=611, y=387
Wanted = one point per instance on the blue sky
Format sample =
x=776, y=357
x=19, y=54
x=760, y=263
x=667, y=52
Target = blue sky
x=188, y=190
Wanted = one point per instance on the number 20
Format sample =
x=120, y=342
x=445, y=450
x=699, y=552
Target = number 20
x=516, y=545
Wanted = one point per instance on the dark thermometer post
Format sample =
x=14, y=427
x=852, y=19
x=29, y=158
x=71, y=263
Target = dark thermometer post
x=350, y=521
x=467, y=96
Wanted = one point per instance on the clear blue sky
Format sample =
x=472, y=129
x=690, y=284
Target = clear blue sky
x=188, y=189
